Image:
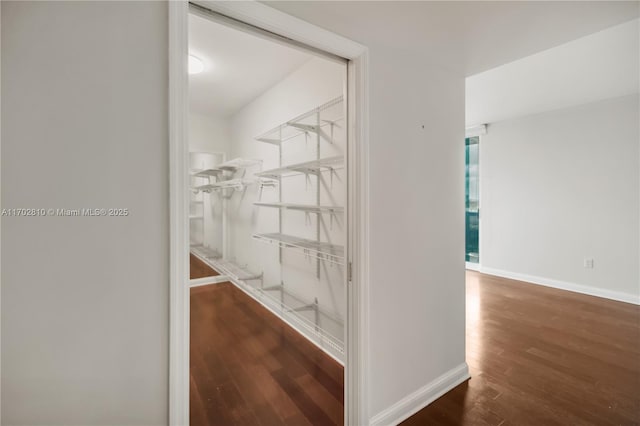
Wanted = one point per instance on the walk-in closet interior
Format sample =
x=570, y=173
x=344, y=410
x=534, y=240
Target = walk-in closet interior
x=268, y=193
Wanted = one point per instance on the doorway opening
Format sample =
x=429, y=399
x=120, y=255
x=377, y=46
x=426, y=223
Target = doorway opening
x=268, y=230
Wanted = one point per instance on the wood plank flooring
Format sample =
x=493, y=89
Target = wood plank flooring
x=199, y=269
x=542, y=357
x=538, y=356
x=250, y=368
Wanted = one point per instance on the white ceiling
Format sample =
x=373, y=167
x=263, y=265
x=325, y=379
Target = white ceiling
x=599, y=66
x=465, y=37
x=238, y=67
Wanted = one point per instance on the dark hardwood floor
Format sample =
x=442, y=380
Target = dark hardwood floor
x=199, y=269
x=541, y=357
x=249, y=368
x=538, y=356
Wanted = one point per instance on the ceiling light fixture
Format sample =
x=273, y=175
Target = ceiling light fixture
x=196, y=66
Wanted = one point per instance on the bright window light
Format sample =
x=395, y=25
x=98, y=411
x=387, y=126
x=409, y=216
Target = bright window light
x=196, y=66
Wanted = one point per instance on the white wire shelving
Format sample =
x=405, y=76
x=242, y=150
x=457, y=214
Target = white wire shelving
x=306, y=314
x=226, y=181
x=207, y=173
x=234, y=271
x=205, y=253
x=322, y=326
x=317, y=249
x=302, y=207
x=203, y=188
x=237, y=184
x=308, y=167
x=238, y=163
x=306, y=123
x=223, y=266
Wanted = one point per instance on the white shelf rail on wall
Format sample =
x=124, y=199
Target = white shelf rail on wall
x=306, y=123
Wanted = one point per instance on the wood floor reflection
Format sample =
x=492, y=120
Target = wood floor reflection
x=540, y=356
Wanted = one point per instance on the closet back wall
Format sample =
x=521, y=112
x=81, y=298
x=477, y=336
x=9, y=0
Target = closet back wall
x=85, y=300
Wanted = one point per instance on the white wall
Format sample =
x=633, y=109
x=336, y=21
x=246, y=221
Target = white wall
x=52, y=356
x=313, y=84
x=417, y=225
x=208, y=134
x=562, y=186
x=85, y=299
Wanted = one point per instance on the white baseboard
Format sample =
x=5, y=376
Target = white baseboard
x=419, y=399
x=563, y=285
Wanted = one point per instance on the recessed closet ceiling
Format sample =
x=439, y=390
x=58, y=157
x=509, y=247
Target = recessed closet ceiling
x=238, y=67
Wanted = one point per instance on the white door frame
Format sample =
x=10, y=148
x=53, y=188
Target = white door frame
x=357, y=341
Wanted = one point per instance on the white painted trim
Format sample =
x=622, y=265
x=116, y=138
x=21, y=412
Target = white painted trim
x=424, y=396
x=564, y=285
x=470, y=266
x=0, y=229
x=357, y=331
x=217, y=279
x=277, y=22
x=357, y=328
x=178, y=216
